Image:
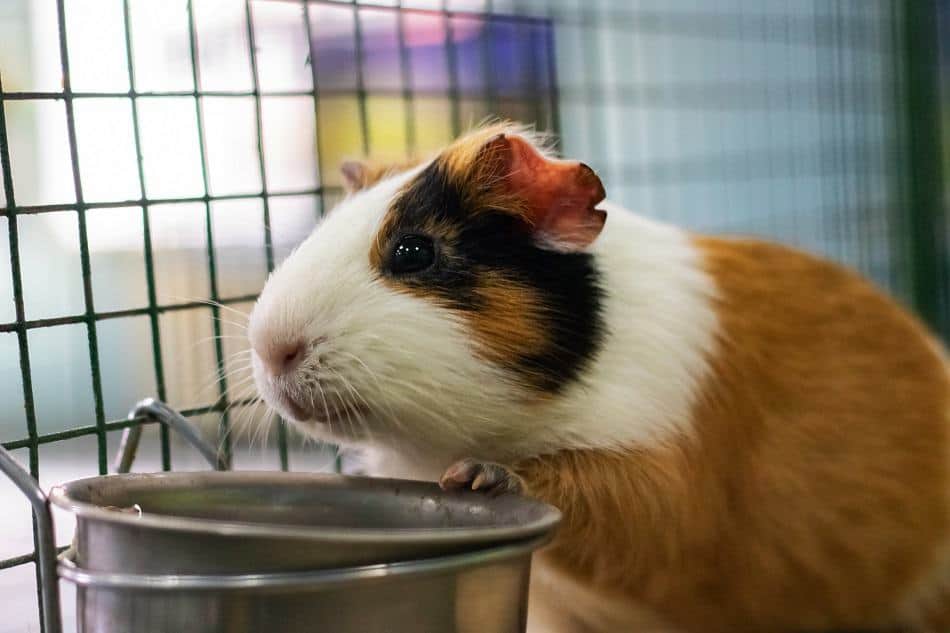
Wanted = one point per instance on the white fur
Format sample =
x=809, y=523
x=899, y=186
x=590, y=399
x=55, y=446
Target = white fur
x=410, y=361
x=432, y=400
x=661, y=326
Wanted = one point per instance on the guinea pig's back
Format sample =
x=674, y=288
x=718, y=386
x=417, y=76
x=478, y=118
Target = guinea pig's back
x=828, y=405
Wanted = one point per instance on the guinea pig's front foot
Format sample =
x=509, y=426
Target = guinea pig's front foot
x=487, y=477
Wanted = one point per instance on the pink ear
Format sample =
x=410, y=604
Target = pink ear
x=560, y=196
x=355, y=175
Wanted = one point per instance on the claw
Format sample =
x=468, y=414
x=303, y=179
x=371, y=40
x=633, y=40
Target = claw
x=458, y=475
x=482, y=476
x=480, y=481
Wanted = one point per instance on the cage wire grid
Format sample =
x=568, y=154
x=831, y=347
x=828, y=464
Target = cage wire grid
x=912, y=228
x=90, y=318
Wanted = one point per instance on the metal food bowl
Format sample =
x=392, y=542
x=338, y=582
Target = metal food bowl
x=243, y=552
x=255, y=522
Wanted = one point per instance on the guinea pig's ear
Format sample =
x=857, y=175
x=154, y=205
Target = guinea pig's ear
x=361, y=174
x=559, y=196
x=356, y=175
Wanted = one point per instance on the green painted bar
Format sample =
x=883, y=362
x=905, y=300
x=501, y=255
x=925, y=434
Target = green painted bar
x=265, y=196
x=926, y=218
x=405, y=78
x=83, y=249
x=53, y=208
x=360, y=82
x=116, y=314
x=224, y=431
x=315, y=93
x=451, y=55
x=115, y=425
x=26, y=375
x=153, y=311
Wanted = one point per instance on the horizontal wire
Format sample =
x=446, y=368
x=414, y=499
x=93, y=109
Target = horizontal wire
x=72, y=206
x=117, y=425
x=117, y=314
x=23, y=559
x=736, y=94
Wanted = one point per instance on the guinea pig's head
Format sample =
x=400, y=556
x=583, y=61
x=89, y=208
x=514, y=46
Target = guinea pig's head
x=439, y=304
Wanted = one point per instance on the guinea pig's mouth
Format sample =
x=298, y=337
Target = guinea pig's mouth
x=307, y=399
x=285, y=403
x=323, y=409
x=329, y=412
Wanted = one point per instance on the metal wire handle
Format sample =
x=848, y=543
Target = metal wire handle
x=45, y=539
x=158, y=411
x=150, y=408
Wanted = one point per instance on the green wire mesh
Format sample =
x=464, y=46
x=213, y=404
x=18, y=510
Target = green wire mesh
x=91, y=318
x=873, y=95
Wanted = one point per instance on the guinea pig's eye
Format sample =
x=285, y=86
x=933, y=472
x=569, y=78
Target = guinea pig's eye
x=412, y=253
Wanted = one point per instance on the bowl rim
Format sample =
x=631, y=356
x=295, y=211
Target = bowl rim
x=59, y=495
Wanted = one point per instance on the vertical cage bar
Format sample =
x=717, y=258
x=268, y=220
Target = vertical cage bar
x=745, y=161
x=405, y=80
x=844, y=168
x=590, y=54
x=879, y=94
x=316, y=102
x=154, y=326
x=486, y=53
x=337, y=463
x=553, y=94
x=451, y=59
x=224, y=434
x=721, y=123
x=592, y=59
x=862, y=152
x=822, y=97
x=83, y=248
x=265, y=196
x=360, y=80
x=792, y=173
x=926, y=218
x=898, y=164
x=534, y=81
x=770, y=221
x=26, y=374
x=259, y=134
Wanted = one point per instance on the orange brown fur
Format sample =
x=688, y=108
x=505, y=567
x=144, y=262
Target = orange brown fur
x=814, y=489
x=462, y=158
x=475, y=165
x=507, y=325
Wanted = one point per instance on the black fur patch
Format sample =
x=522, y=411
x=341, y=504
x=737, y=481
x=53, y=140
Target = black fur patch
x=473, y=243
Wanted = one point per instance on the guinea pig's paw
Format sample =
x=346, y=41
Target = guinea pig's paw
x=487, y=477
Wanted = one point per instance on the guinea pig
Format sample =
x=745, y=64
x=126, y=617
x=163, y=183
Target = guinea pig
x=741, y=436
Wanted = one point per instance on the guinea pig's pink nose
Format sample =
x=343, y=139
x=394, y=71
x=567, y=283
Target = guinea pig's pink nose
x=281, y=358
